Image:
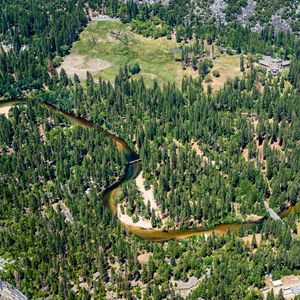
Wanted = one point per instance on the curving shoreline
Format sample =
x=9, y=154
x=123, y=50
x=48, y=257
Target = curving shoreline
x=132, y=171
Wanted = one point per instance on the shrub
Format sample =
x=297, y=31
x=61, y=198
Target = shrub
x=216, y=73
x=134, y=68
x=207, y=78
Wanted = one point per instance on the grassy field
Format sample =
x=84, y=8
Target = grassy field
x=111, y=44
x=229, y=68
x=105, y=46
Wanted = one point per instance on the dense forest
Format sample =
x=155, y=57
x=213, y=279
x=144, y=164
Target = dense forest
x=256, y=116
x=210, y=157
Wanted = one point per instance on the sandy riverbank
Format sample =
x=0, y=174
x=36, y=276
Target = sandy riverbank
x=148, y=195
x=4, y=110
x=127, y=220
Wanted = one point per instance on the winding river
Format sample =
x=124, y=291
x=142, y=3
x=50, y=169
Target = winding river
x=133, y=169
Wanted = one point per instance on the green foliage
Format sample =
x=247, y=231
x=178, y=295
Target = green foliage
x=134, y=68
x=216, y=73
x=190, y=143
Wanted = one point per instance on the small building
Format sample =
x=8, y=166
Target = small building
x=273, y=65
x=191, y=283
x=290, y=286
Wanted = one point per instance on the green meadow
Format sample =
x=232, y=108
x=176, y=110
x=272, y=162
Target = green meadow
x=114, y=43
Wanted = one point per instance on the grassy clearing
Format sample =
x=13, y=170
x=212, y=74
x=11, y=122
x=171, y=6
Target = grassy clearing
x=114, y=43
x=229, y=67
x=105, y=46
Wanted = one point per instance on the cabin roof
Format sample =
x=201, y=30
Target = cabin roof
x=187, y=285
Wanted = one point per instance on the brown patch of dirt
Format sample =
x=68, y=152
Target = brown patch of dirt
x=4, y=110
x=190, y=72
x=248, y=238
x=148, y=195
x=42, y=132
x=246, y=154
x=80, y=64
x=276, y=146
x=144, y=258
x=253, y=218
x=196, y=147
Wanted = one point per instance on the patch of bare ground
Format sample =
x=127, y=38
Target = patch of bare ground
x=248, y=238
x=177, y=143
x=246, y=154
x=190, y=72
x=196, y=147
x=80, y=64
x=148, y=195
x=199, y=152
x=249, y=218
x=42, y=132
x=4, y=110
x=253, y=218
x=276, y=146
x=144, y=258
x=127, y=220
x=260, y=154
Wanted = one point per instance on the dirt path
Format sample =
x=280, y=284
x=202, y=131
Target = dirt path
x=42, y=132
x=65, y=210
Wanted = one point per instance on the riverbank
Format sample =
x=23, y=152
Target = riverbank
x=142, y=228
x=148, y=195
x=5, y=110
x=127, y=220
x=6, y=105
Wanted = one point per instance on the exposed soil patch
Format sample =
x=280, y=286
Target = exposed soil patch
x=144, y=258
x=196, y=147
x=148, y=195
x=42, y=132
x=246, y=154
x=127, y=220
x=248, y=238
x=4, y=110
x=80, y=64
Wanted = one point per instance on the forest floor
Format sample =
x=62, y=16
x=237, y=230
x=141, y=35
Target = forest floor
x=248, y=238
x=105, y=46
